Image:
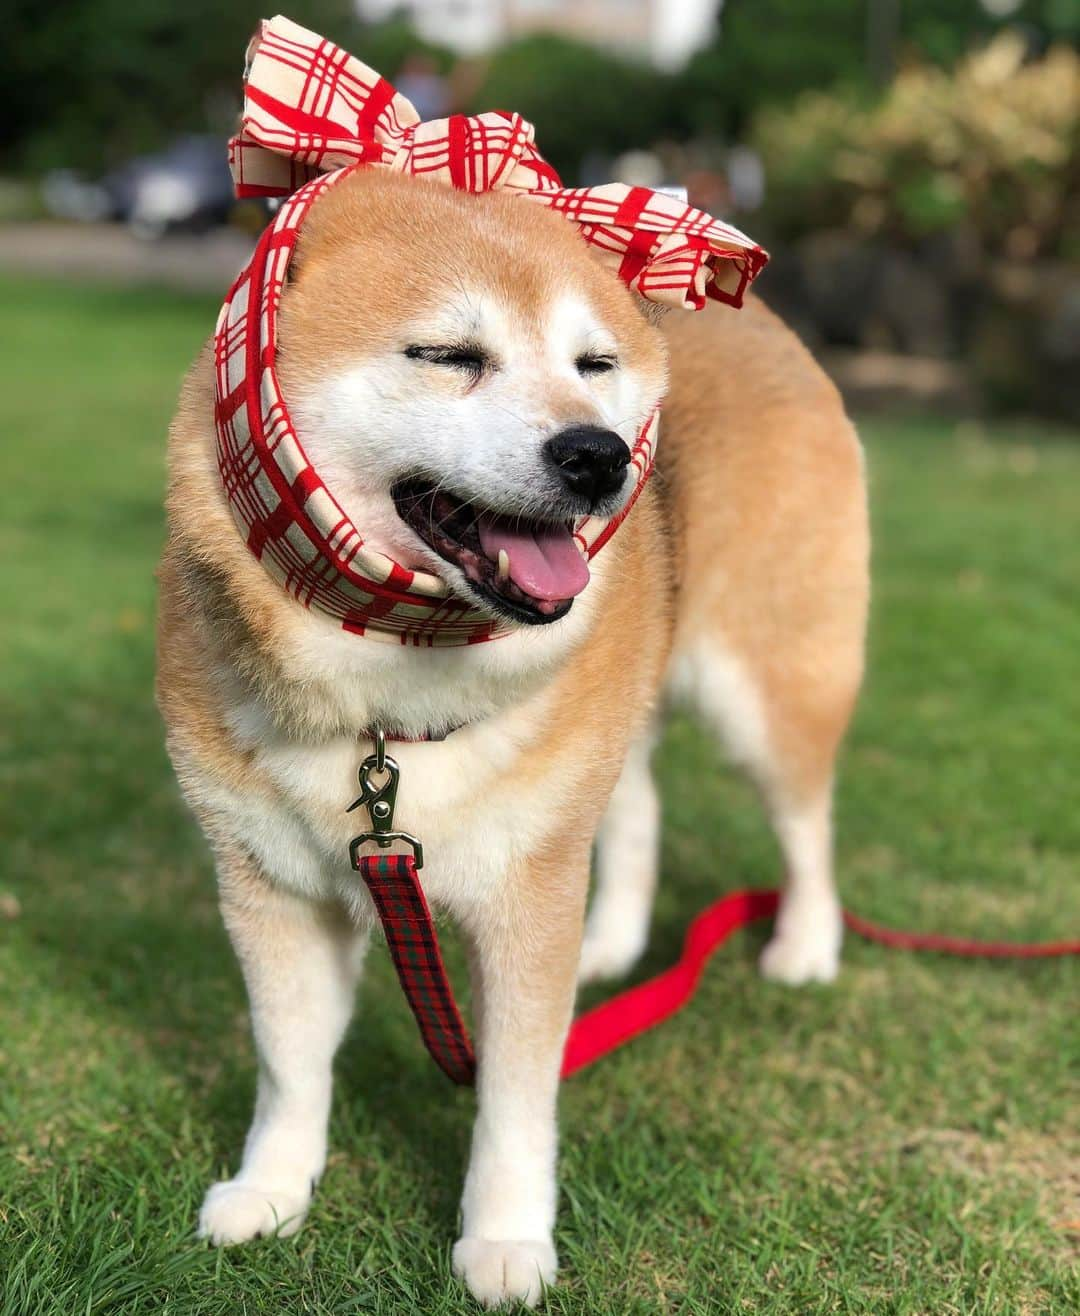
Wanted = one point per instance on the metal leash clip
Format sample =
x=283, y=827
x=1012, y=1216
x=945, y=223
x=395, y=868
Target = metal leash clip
x=379, y=798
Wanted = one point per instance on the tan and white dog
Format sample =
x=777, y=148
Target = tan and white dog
x=483, y=334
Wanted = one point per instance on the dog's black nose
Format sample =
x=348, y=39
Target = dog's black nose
x=589, y=461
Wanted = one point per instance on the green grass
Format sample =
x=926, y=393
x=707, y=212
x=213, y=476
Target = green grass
x=903, y=1142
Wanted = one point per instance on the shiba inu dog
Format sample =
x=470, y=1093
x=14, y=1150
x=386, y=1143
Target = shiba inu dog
x=469, y=380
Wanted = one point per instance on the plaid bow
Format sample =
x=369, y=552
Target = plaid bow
x=311, y=108
x=312, y=113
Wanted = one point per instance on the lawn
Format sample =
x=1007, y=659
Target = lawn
x=905, y=1141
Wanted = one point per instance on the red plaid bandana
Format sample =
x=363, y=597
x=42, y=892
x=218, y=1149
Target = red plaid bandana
x=312, y=113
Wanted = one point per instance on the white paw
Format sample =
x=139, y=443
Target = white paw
x=234, y=1212
x=505, y=1270
x=604, y=955
x=805, y=946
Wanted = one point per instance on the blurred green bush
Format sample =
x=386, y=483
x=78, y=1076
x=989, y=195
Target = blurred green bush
x=992, y=148
x=942, y=219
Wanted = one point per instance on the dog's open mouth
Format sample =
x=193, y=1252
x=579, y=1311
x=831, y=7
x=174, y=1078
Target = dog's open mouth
x=529, y=570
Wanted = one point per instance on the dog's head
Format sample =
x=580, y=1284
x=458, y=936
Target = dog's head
x=468, y=380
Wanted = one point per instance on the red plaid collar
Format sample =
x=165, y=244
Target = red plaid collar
x=312, y=113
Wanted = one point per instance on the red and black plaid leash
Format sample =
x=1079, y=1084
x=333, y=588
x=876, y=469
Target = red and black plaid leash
x=394, y=883
x=414, y=947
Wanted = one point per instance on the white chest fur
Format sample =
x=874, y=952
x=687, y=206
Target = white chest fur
x=465, y=797
x=461, y=797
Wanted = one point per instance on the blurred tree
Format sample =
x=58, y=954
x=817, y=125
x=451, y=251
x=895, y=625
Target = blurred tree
x=90, y=82
x=582, y=100
x=389, y=44
x=769, y=51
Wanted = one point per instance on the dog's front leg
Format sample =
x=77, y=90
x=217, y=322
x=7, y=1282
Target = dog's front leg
x=300, y=963
x=525, y=946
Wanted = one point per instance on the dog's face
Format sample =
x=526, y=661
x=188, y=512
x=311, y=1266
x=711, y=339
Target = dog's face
x=469, y=382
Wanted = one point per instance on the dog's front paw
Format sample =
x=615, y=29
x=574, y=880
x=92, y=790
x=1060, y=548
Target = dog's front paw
x=234, y=1212
x=503, y=1270
x=805, y=946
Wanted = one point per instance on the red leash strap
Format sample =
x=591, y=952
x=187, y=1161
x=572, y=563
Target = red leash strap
x=932, y=941
x=414, y=947
x=410, y=933
x=613, y=1023
x=394, y=883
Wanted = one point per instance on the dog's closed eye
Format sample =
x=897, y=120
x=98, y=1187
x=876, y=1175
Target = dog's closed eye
x=595, y=363
x=468, y=357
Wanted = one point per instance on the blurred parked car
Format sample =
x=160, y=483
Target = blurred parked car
x=187, y=186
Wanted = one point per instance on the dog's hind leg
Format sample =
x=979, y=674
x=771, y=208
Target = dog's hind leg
x=301, y=964
x=627, y=856
x=785, y=734
x=766, y=483
x=805, y=945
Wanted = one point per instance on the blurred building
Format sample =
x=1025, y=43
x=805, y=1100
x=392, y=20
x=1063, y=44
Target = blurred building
x=665, y=32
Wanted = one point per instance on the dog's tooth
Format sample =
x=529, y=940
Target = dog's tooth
x=504, y=565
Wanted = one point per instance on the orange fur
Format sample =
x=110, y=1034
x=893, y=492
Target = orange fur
x=751, y=540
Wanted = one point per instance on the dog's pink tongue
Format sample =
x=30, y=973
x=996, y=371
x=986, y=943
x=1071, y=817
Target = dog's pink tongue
x=544, y=561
